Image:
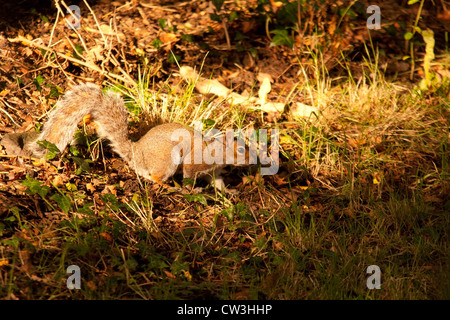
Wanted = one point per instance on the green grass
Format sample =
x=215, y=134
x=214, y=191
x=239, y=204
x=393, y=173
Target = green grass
x=364, y=183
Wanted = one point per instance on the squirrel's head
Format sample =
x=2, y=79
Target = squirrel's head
x=234, y=150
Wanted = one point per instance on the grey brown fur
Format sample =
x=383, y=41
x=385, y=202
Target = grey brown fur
x=150, y=157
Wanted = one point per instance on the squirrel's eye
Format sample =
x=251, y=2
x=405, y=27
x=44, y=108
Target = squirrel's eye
x=241, y=150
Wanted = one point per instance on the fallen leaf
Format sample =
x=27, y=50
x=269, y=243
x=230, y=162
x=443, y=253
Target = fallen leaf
x=25, y=257
x=110, y=189
x=246, y=180
x=444, y=15
x=188, y=275
x=431, y=198
x=169, y=274
x=106, y=236
x=91, y=285
x=273, y=107
x=376, y=178
x=86, y=119
x=265, y=87
x=57, y=181
x=278, y=180
x=95, y=54
x=259, y=178
x=247, y=26
x=301, y=110
x=167, y=37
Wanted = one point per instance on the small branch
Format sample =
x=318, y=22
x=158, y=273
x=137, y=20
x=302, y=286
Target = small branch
x=127, y=79
x=7, y=114
x=227, y=36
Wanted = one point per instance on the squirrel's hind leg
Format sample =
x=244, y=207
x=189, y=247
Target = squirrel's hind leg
x=160, y=174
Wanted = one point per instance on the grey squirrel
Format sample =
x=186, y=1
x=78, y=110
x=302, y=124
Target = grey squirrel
x=156, y=156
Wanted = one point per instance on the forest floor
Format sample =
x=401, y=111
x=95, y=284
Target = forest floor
x=363, y=179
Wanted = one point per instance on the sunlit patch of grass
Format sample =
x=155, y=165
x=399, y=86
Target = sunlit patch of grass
x=363, y=183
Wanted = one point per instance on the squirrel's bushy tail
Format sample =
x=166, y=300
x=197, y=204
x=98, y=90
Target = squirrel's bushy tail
x=108, y=109
x=112, y=118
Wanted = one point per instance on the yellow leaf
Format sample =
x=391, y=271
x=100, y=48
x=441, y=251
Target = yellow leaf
x=87, y=119
x=188, y=275
x=376, y=178
x=140, y=52
x=90, y=187
x=40, y=162
x=4, y=262
x=71, y=186
x=167, y=37
x=285, y=139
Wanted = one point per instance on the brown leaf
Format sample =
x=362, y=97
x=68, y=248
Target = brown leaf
x=91, y=285
x=106, y=236
x=445, y=15
x=278, y=180
x=169, y=274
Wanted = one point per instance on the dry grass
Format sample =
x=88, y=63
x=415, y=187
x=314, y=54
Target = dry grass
x=363, y=183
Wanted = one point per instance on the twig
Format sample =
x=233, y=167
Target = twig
x=74, y=29
x=7, y=114
x=96, y=21
x=52, y=33
x=145, y=5
x=227, y=36
x=127, y=79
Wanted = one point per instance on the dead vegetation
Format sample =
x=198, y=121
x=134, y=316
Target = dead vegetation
x=363, y=178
